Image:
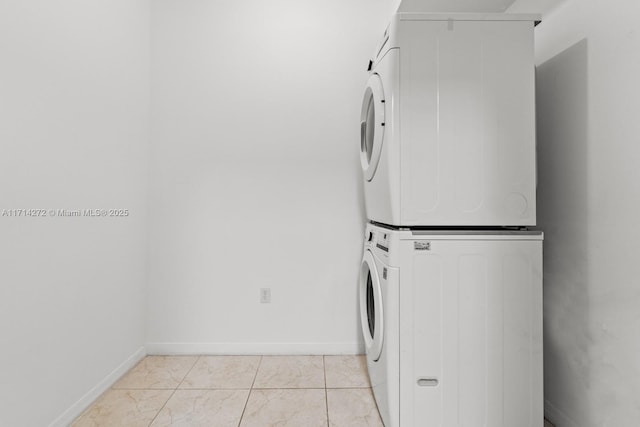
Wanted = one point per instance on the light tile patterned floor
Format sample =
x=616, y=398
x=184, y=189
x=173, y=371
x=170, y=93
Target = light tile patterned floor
x=245, y=391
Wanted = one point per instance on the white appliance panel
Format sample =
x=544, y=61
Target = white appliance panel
x=473, y=316
x=383, y=366
x=462, y=340
x=459, y=139
x=382, y=189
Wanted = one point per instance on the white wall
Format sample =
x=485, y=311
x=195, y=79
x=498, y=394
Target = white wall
x=543, y=7
x=73, y=131
x=255, y=173
x=454, y=6
x=589, y=205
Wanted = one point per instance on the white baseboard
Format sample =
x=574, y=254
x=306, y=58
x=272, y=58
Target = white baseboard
x=293, y=348
x=557, y=417
x=83, y=403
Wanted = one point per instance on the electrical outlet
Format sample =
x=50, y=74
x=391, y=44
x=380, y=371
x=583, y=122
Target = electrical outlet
x=265, y=295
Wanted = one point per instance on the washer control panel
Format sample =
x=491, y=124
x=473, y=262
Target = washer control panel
x=378, y=239
x=382, y=241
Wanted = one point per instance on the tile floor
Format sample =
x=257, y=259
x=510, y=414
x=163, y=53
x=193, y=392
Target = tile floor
x=245, y=391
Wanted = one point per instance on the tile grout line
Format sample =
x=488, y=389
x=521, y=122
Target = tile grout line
x=349, y=388
x=326, y=394
x=290, y=388
x=246, y=402
x=175, y=389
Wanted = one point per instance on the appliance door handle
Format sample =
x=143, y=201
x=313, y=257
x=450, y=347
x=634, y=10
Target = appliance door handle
x=363, y=136
x=428, y=382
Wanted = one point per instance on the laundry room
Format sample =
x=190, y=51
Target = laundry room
x=194, y=234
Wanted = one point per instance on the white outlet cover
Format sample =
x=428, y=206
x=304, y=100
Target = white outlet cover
x=265, y=295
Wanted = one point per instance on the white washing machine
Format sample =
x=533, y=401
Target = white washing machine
x=452, y=323
x=448, y=122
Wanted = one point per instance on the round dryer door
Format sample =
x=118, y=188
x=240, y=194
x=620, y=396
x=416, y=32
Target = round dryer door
x=371, y=126
x=371, y=306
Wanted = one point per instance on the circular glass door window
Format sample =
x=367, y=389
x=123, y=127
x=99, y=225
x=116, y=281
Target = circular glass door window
x=371, y=310
x=372, y=122
x=371, y=316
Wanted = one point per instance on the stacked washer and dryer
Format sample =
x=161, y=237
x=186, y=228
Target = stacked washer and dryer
x=451, y=278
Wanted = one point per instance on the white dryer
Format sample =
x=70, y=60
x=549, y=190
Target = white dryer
x=448, y=122
x=452, y=323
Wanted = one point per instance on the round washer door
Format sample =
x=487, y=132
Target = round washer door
x=371, y=126
x=371, y=315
